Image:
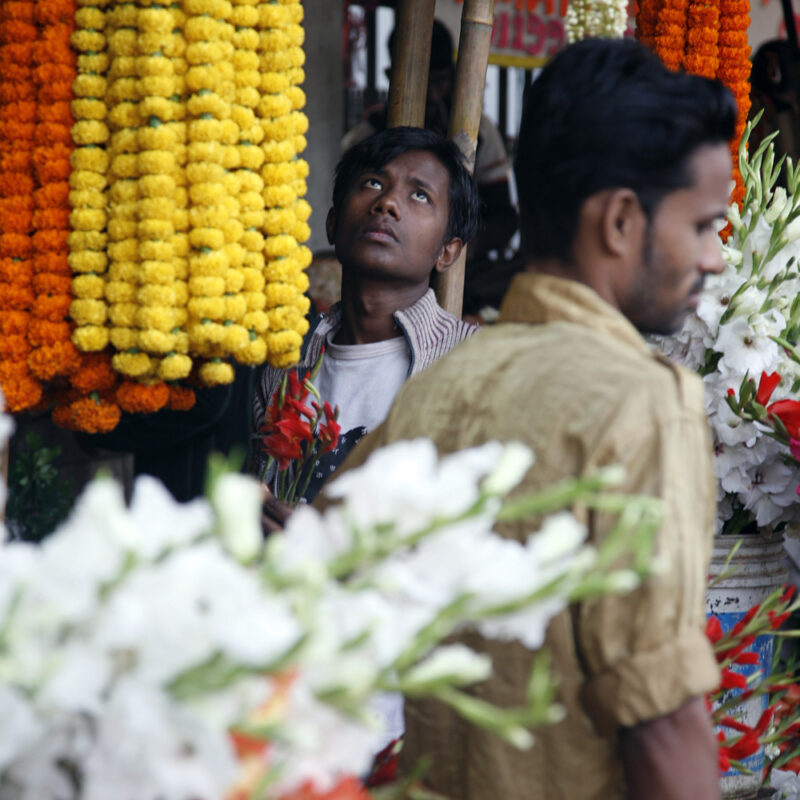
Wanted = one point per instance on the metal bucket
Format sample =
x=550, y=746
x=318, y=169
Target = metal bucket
x=760, y=570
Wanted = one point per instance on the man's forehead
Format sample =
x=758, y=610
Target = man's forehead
x=420, y=164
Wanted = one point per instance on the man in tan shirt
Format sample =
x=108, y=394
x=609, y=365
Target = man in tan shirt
x=623, y=172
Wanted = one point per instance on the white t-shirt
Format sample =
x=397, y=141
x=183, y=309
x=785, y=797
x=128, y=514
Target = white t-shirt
x=363, y=379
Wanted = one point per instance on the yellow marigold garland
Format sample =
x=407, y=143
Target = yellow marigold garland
x=122, y=100
x=245, y=17
x=283, y=125
x=210, y=131
x=160, y=297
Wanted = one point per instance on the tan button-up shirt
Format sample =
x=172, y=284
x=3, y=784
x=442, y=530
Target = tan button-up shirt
x=569, y=375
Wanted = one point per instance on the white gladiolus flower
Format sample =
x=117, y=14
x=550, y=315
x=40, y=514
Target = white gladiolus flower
x=454, y=663
x=515, y=461
x=134, y=640
x=237, y=500
x=787, y=783
x=160, y=522
x=792, y=231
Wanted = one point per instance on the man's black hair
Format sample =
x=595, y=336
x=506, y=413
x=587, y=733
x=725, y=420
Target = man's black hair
x=381, y=148
x=608, y=114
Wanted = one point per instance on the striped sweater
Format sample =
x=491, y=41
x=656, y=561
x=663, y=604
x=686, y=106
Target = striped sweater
x=429, y=331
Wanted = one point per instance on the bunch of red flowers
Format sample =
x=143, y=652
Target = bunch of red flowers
x=298, y=431
x=778, y=725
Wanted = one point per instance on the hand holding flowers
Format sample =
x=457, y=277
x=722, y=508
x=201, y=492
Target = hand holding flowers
x=295, y=435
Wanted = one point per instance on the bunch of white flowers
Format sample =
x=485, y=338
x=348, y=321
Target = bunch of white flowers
x=747, y=323
x=590, y=18
x=141, y=646
x=787, y=783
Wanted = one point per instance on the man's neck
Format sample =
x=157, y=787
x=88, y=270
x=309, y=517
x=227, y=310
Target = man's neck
x=368, y=310
x=594, y=278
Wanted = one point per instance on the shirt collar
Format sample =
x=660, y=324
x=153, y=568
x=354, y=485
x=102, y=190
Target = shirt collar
x=535, y=298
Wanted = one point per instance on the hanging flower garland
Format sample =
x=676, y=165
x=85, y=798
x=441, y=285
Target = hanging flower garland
x=54, y=71
x=90, y=406
x=210, y=131
x=251, y=185
x=708, y=38
x=284, y=126
x=591, y=18
x=89, y=197
x=159, y=302
x=734, y=72
x=702, y=56
x=646, y=21
x=18, y=34
x=122, y=100
x=670, y=34
x=152, y=217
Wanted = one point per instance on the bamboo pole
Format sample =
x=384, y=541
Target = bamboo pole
x=411, y=60
x=465, y=119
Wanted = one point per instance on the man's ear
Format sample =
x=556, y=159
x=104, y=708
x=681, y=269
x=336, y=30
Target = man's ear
x=622, y=223
x=330, y=224
x=448, y=255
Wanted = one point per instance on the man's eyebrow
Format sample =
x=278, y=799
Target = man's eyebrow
x=413, y=179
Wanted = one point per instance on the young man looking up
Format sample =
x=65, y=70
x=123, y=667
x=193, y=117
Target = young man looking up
x=623, y=171
x=404, y=204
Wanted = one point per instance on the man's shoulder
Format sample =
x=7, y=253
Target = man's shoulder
x=431, y=332
x=554, y=357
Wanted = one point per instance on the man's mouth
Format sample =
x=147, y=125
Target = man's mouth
x=379, y=233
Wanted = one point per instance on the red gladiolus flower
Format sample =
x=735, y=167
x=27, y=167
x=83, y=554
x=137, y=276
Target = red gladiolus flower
x=713, y=629
x=733, y=680
x=283, y=450
x=735, y=724
x=766, y=386
x=744, y=747
x=788, y=412
x=747, y=658
x=776, y=620
x=329, y=432
x=295, y=429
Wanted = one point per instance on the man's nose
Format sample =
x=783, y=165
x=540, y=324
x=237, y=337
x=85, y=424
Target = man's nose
x=712, y=261
x=387, y=203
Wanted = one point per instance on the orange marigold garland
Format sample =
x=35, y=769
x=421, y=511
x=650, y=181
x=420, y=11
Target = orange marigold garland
x=670, y=35
x=702, y=56
x=54, y=72
x=181, y=398
x=17, y=121
x=92, y=414
x=140, y=398
x=646, y=21
x=734, y=71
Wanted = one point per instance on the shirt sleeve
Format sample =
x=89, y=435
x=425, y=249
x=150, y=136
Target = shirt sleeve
x=646, y=653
